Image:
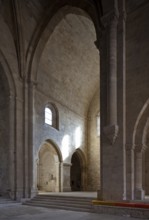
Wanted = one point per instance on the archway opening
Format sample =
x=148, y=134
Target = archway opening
x=77, y=172
x=48, y=169
x=68, y=75
x=146, y=182
x=4, y=135
x=140, y=154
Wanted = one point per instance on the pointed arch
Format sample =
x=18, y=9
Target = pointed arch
x=78, y=181
x=49, y=173
x=139, y=146
x=52, y=17
x=56, y=147
x=141, y=127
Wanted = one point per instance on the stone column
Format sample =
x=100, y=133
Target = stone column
x=61, y=176
x=66, y=177
x=121, y=94
x=25, y=139
x=31, y=155
x=19, y=142
x=12, y=144
x=113, y=154
x=129, y=178
x=111, y=129
x=146, y=169
x=139, y=191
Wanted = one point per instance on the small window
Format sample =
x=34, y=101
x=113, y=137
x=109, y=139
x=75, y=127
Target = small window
x=48, y=116
x=51, y=115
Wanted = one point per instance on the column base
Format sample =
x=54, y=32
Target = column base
x=66, y=189
x=66, y=177
x=99, y=195
x=19, y=194
x=34, y=192
x=139, y=194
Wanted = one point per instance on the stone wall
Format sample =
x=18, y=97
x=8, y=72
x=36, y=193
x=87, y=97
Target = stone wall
x=137, y=93
x=137, y=49
x=68, y=137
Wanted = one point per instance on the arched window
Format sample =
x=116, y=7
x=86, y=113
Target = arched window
x=51, y=115
x=48, y=116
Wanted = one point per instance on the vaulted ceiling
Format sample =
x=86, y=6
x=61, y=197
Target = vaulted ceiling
x=69, y=66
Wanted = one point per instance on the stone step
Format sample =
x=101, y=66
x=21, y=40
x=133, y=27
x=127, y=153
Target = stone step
x=60, y=207
x=65, y=197
x=62, y=202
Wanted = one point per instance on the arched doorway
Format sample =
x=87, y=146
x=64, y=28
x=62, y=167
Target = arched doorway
x=48, y=169
x=4, y=135
x=65, y=60
x=77, y=172
x=140, y=153
x=146, y=182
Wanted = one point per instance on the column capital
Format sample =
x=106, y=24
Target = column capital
x=123, y=16
x=32, y=84
x=139, y=148
x=110, y=17
x=101, y=37
x=128, y=146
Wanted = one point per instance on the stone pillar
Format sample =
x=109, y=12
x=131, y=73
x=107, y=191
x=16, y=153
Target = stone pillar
x=121, y=94
x=61, y=176
x=146, y=168
x=112, y=98
x=111, y=130
x=31, y=155
x=12, y=144
x=19, y=142
x=129, y=178
x=139, y=191
x=25, y=140
x=66, y=177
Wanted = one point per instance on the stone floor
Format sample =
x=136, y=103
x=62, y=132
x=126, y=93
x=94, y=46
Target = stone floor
x=22, y=212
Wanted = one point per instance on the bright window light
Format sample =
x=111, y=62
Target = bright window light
x=98, y=125
x=78, y=137
x=48, y=116
x=65, y=146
